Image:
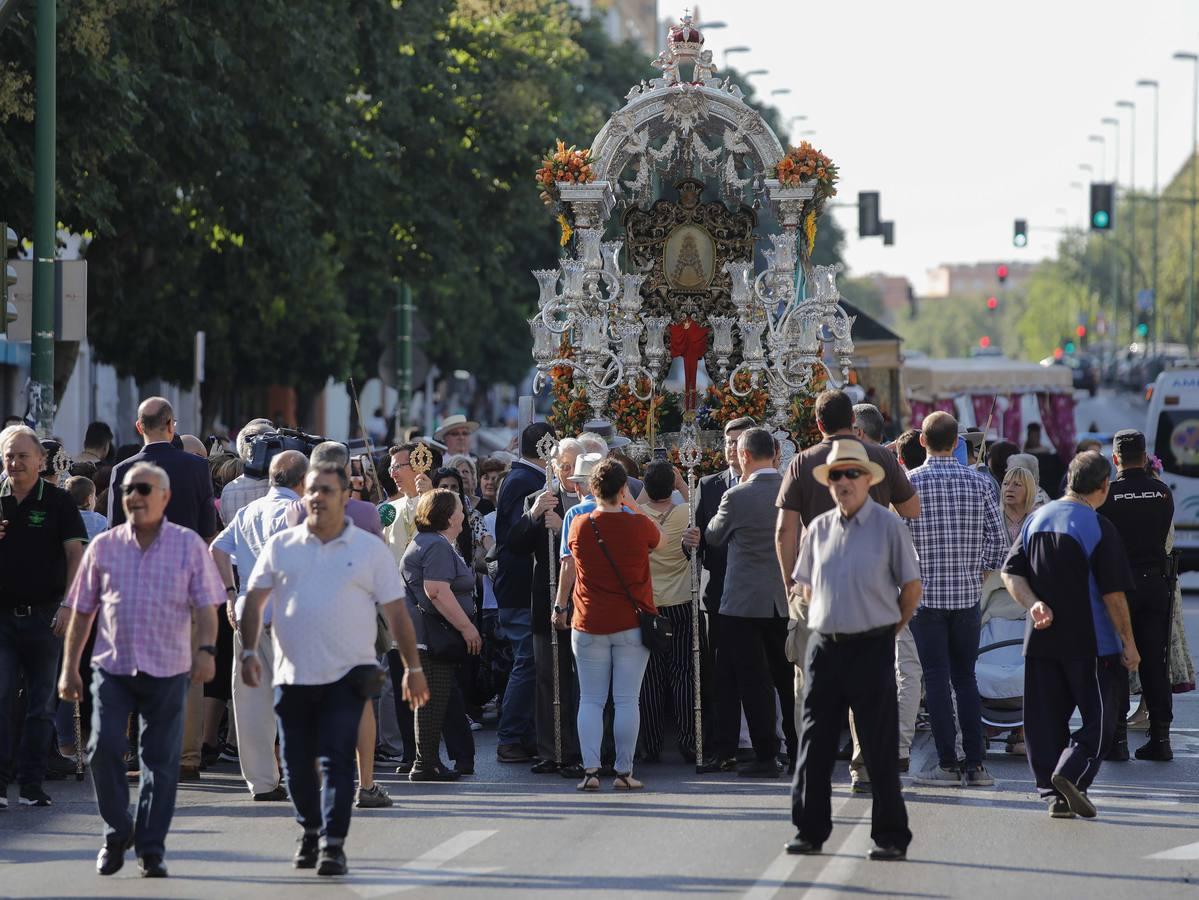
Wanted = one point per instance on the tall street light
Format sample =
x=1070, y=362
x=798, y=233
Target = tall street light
x=1150, y=82
x=1102, y=142
x=752, y=72
x=729, y=50
x=1132, y=210
x=1193, y=59
x=1078, y=185
x=1115, y=123
x=1114, y=264
x=779, y=92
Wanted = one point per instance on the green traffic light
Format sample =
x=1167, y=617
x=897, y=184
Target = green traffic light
x=1020, y=240
x=1101, y=218
x=1142, y=329
x=1070, y=347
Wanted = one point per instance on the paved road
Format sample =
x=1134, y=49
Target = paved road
x=1110, y=410
x=507, y=833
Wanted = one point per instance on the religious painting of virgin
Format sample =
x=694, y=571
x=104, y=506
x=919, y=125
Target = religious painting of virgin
x=689, y=261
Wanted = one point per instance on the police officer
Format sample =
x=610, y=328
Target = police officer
x=1142, y=508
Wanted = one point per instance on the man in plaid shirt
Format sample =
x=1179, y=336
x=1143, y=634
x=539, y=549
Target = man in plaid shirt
x=959, y=536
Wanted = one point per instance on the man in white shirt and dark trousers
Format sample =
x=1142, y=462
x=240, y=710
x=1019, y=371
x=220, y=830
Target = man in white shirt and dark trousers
x=240, y=544
x=327, y=578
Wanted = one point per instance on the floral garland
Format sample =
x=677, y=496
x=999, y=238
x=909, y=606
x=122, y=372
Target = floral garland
x=709, y=461
x=563, y=164
x=569, y=409
x=802, y=423
x=804, y=164
x=721, y=405
x=629, y=414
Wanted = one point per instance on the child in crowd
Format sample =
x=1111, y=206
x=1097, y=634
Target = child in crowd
x=83, y=492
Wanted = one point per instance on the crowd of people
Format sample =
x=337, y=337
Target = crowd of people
x=322, y=614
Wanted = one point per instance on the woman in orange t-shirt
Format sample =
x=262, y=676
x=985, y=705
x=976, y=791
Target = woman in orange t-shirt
x=606, y=637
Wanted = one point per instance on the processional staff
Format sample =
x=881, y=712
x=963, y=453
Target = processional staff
x=547, y=450
x=61, y=465
x=689, y=456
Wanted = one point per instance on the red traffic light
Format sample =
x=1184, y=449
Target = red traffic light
x=1001, y=271
x=1058, y=353
x=1081, y=331
x=984, y=342
x=992, y=303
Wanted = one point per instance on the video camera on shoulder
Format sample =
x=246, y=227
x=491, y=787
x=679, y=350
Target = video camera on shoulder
x=266, y=446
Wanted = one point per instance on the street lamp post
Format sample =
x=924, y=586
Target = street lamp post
x=731, y=50
x=1115, y=260
x=1150, y=82
x=1102, y=142
x=1194, y=60
x=1132, y=209
x=44, y=231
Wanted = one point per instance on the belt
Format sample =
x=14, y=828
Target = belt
x=840, y=637
x=22, y=612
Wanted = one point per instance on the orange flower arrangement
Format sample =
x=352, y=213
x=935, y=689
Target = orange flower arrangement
x=709, y=461
x=629, y=414
x=569, y=409
x=724, y=406
x=805, y=163
x=563, y=164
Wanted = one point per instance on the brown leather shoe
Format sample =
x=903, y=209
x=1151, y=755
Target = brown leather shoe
x=189, y=773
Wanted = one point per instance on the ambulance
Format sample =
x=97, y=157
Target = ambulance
x=1172, y=434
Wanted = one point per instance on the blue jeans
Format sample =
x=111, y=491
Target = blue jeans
x=28, y=648
x=601, y=659
x=516, y=718
x=947, y=641
x=318, y=725
x=159, y=704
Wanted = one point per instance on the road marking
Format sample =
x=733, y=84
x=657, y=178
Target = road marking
x=1186, y=851
x=421, y=872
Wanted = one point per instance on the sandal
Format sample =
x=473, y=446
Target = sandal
x=626, y=782
x=590, y=782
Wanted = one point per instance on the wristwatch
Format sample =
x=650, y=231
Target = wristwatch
x=248, y=653
x=558, y=610
x=231, y=590
x=207, y=648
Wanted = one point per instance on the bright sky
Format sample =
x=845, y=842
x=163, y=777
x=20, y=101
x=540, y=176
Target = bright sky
x=968, y=115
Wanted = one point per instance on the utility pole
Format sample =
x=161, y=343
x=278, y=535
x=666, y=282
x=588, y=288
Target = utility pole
x=403, y=315
x=1149, y=82
x=44, y=225
x=1192, y=162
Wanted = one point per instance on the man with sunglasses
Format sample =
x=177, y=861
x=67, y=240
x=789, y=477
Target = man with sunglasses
x=141, y=583
x=41, y=543
x=857, y=571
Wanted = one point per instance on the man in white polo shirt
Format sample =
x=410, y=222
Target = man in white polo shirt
x=328, y=578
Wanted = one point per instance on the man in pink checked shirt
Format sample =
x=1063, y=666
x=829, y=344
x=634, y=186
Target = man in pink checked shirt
x=144, y=579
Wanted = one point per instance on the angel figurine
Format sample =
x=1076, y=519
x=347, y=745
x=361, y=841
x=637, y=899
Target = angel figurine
x=670, y=70
x=705, y=69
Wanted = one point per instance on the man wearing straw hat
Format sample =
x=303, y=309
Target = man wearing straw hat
x=454, y=432
x=857, y=570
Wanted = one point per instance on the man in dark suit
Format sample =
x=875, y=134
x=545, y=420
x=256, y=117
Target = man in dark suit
x=753, y=608
x=714, y=558
x=513, y=595
x=191, y=504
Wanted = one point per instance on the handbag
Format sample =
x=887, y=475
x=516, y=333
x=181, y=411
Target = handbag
x=443, y=642
x=656, y=632
x=367, y=680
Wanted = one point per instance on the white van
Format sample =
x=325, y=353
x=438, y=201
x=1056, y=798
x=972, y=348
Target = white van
x=1172, y=433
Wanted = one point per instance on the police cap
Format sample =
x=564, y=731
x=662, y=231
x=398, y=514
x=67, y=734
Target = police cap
x=1129, y=443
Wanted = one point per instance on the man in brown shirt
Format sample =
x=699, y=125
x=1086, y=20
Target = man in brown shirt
x=801, y=499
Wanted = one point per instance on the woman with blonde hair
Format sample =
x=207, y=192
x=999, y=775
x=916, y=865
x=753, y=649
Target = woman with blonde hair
x=1019, y=495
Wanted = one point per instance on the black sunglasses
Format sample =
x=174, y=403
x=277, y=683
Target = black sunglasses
x=141, y=487
x=851, y=474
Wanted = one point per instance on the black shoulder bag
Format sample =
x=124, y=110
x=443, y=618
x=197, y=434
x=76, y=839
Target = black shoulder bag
x=443, y=642
x=656, y=633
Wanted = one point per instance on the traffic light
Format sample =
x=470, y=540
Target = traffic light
x=888, y=233
x=1069, y=348
x=1001, y=273
x=1020, y=233
x=8, y=238
x=1103, y=206
x=984, y=342
x=1058, y=353
x=868, y=220
x=1142, y=329
x=1081, y=331
x=992, y=303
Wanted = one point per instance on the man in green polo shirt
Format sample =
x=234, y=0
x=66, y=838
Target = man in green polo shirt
x=41, y=543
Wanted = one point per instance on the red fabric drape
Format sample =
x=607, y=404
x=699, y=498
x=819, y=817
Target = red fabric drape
x=1012, y=420
x=984, y=408
x=1057, y=418
x=920, y=409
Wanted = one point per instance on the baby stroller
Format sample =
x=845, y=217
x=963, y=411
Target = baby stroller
x=999, y=670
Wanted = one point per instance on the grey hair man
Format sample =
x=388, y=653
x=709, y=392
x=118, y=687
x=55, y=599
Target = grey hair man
x=868, y=423
x=241, y=544
x=363, y=514
x=246, y=488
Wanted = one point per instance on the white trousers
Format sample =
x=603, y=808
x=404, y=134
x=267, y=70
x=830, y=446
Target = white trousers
x=254, y=713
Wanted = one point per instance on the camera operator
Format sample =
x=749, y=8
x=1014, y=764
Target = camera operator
x=246, y=488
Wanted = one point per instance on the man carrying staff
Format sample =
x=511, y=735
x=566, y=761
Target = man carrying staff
x=1070, y=571
x=144, y=579
x=858, y=573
